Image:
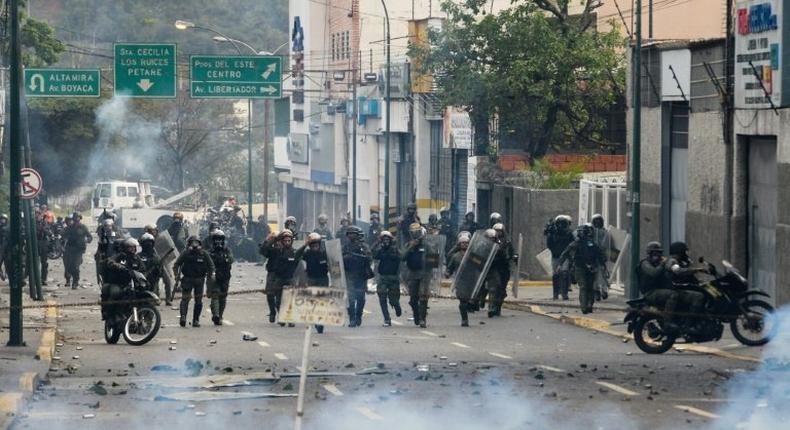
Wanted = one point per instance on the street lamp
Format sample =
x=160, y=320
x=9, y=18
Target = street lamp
x=185, y=25
x=266, y=115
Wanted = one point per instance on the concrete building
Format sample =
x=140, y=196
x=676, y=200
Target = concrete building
x=713, y=175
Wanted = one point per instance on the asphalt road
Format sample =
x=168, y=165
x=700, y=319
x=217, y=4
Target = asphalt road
x=518, y=371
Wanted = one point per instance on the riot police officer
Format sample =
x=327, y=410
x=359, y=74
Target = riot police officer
x=290, y=224
x=107, y=235
x=43, y=232
x=323, y=228
x=356, y=260
x=178, y=232
x=388, y=287
x=469, y=223
x=603, y=238
x=504, y=257
x=152, y=266
x=281, y=264
x=345, y=224
x=119, y=274
x=76, y=237
x=409, y=218
x=316, y=264
x=433, y=224
x=494, y=219
x=558, y=237
x=374, y=232
x=222, y=257
x=587, y=260
x=453, y=264
x=418, y=275
x=194, y=266
x=447, y=229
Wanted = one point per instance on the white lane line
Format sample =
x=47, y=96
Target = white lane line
x=369, y=414
x=696, y=411
x=332, y=389
x=396, y=322
x=280, y=356
x=496, y=354
x=429, y=333
x=551, y=369
x=617, y=388
x=228, y=323
x=460, y=345
x=263, y=344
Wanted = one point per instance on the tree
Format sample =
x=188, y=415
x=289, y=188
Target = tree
x=545, y=76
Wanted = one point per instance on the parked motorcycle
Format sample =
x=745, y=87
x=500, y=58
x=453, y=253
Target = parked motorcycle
x=136, y=316
x=728, y=300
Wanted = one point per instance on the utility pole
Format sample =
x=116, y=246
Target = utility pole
x=355, y=119
x=636, y=154
x=15, y=337
x=267, y=110
x=387, y=127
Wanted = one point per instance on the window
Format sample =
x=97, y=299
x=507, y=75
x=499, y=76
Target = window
x=348, y=45
x=132, y=191
x=103, y=190
x=334, y=46
x=120, y=192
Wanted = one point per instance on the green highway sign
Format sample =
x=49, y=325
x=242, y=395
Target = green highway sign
x=62, y=82
x=236, y=77
x=145, y=70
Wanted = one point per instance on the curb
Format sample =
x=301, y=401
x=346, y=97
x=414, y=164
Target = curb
x=605, y=327
x=11, y=403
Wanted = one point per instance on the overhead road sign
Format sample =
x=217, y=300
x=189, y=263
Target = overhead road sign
x=145, y=70
x=62, y=82
x=236, y=77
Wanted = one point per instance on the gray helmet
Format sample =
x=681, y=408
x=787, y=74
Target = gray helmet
x=147, y=237
x=584, y=231
x=444, y=210
x=321, y=218
x=411, y=206
x=354, y=230
x=193, y=239
x=290, y=219
x=654, y=247
x=217, y=233
x=4, y=216
x=128, y=244
x=495, y=218
x=108, y=222
x=490, y=233
x=432, y=218
x=597, y=220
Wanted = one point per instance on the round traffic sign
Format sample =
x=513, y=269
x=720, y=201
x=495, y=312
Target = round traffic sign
x=30, y=183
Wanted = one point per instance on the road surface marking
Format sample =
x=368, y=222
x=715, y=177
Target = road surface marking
x=496, y=354
x=228, y=322
x=617, y=388
x=696, y=411
x=429, y=333
x=551, y=369
x=280, y=356
x=263, y=344
x=460, y=345
x=332, y=389
x=369, y=414
x=396, y=322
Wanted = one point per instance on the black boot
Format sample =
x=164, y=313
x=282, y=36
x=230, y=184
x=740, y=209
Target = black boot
x=463, y=307
x=272, y=308
x=398, y=310
x=385, y=310
x=352, y=318
x=196, y=314
x=423, y=313
x=184, y=308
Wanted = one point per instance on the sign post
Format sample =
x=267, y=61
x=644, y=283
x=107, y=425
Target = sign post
x=236, y=77
x=145, y=70
x=62, y=82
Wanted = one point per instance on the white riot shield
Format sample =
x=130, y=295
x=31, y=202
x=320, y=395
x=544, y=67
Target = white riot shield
x=300, y=274
x=474, y=266
x=517, y=267
x=167, y=252
x=434, y=259
x=544, y=258
x=334, y=256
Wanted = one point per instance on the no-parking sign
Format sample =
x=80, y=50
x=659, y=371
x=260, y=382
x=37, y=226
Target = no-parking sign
x=30, y=183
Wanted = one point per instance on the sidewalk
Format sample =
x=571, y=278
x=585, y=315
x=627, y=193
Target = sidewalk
x=21, y=368
x=607, y=317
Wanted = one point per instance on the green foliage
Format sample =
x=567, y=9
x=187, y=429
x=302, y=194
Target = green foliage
x=40, y=45
x=545, y=76
x=552, y=178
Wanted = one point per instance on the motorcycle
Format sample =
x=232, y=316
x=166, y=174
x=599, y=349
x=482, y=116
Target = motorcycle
x=55, y=245
x=728, y=300
x=136, y=316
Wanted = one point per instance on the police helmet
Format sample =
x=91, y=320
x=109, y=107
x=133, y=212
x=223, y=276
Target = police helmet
x=178, y=216
x=286, y=233
x=464, y=239
x=323, y=218
x=444, y=210
x=490, y=233
x=4, y=216
x=217, y=233
x=147, y=237
x=290, y=220
x=354, y=230
x=465, y=234
x=130, y=245
x=470, y=214
x=584, y=230
x=499, y=227
x=678, y=248
x=563, y=218
x=374, y=215
x=149, y=227
x=386, y=235
x=313, y=238
x=432, y=218
x=654, y=247
x=597, y=220
x=411, y=206
x=495, y=218
x=107, y=222
x=193, y=239
x=76, y=216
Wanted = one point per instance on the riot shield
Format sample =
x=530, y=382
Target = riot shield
x=474, y=266
x=516, y=270
x=434, y=259
x=167, y=252
x=544, y=259
x=334, y=256
x=300, y=274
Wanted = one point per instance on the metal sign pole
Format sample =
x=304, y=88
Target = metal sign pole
x=302, y=379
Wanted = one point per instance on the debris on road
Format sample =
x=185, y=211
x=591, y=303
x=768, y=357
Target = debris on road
x=249, y=337
x=98, y=388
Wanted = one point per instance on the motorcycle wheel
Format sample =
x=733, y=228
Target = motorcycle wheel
x=111, y=333
x=54, y=254
x=145, y=329
x=757, y=326
x=650, y=337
